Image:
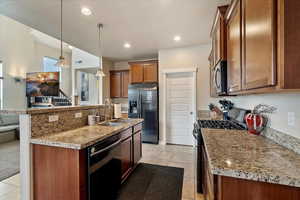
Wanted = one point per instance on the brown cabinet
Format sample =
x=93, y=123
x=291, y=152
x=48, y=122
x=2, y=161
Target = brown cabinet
x=259, y=44
x=119, y=81
x=218, y=35
x=126, y=156
x=213, y=91
x=144, y=72
x=137, y=148
x=234, y=48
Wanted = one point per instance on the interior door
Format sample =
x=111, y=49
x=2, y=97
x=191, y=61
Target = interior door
x=180, y=108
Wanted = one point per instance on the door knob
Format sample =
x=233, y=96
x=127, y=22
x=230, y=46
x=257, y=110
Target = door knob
x=191, y=113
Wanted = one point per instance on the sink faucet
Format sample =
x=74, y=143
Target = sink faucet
x=107, y=106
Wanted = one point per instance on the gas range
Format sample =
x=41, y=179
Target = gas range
x=220, y=124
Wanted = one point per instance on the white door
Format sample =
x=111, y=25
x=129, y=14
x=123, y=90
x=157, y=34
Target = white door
x=180, y=110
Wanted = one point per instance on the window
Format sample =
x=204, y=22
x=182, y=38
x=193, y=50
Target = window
x=49, y=65
x=1, y=85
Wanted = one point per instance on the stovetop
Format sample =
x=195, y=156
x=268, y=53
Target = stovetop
x=220, y=124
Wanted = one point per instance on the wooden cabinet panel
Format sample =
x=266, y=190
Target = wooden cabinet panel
x=115, y=84
x=126, y=156
x=259, y=52
x=213, y=91
x=137, y=148
x=52, y=178
x=150, y=72
x=125, y=83
x=218, y=35
x=119, y=81
x=137, y=73
x=234, y=55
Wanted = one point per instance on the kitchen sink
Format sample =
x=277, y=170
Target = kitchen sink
x=123, y=120
x=110, y=124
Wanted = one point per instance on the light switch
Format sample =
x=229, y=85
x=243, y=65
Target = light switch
x=53, y=118
x=78, y=115
x=291, y=118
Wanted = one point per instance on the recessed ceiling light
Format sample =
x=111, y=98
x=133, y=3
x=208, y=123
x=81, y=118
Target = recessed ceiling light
x=177, y=38
x=86, y=11
x=127, y=45
x=70, y=47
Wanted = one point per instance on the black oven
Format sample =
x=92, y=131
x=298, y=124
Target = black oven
x=220, y=78
x=199, y=160
x=104, y=169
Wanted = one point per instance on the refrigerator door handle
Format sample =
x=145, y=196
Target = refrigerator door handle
x=140, y=105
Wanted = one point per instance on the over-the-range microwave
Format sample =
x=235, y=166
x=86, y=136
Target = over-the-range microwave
x=220, y=78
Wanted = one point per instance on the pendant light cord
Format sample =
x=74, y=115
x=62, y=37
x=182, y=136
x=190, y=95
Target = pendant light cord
x=61, y=27
x=100, y=49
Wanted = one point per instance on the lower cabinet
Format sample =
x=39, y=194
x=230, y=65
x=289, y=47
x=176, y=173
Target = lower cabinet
x=126, y=156
x=131, y=149
x=137, y=148
x=229, y=188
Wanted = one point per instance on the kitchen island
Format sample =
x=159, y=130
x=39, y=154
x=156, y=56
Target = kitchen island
x=61, y=162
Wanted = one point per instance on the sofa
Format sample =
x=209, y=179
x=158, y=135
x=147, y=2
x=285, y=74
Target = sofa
x=9, y=127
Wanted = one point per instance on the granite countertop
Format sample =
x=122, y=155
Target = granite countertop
x=241, y=155
x=83, y=137
x=61, y=109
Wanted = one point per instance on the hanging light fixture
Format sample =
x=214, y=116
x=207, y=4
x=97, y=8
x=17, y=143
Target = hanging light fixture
x=61, y=61
x=100, y=72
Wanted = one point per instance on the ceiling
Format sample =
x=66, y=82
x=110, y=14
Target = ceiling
x=148, y=25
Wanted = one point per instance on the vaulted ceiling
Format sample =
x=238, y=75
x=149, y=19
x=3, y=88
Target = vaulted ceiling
x=148, y=25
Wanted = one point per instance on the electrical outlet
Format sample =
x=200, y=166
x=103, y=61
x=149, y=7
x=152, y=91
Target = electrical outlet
x=53, y=118
x=291, y=118
x=78, y=115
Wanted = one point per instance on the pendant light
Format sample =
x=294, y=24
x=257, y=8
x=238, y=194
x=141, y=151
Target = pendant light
x=100, y=72
x=61, y=61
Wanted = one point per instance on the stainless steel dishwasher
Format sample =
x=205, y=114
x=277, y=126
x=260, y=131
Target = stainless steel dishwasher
x=104, y=169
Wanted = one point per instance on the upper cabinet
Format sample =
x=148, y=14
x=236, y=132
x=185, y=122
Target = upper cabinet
x=259, y=43
x=144, y=72
x=119, y=81
x=234, y=48
x=262, y=42
x=218, y=35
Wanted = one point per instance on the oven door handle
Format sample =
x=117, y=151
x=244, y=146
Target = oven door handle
x=106, y=148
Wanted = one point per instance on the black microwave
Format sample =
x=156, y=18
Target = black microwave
x=220, y=78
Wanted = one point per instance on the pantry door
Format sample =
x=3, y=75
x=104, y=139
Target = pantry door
x=180, y=107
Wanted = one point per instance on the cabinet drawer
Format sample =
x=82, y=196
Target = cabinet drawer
x=138, y=127
x=127, y=133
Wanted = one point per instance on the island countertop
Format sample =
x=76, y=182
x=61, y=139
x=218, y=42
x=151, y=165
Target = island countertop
x=238, y=154
x=83, y=137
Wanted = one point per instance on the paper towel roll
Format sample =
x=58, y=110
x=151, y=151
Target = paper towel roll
x=117, y=111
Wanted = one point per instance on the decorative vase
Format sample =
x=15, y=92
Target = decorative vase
x=255, y=123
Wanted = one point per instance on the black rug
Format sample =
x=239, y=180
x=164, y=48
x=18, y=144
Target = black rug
x=153, y=182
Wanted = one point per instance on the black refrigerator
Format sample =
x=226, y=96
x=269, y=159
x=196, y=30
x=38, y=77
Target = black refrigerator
x=143, y=103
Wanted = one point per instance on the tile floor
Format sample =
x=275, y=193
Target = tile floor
x=168, y=155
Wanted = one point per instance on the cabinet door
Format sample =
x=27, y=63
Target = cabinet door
x=136, y=73
x=137, y=148
x=150, y=72
x=234, y=49
x=125, y=82
x=126, y=156
x=217, y=41
x=115, y=84
x=259, y=67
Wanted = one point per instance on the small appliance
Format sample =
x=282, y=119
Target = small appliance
x=220, y=78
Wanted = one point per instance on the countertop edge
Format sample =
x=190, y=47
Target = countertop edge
x=242, y=174
x=79, y=146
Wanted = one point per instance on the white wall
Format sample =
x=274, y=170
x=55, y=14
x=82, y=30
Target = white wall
x=194, y=56
x=21, y=53
x=197, y=56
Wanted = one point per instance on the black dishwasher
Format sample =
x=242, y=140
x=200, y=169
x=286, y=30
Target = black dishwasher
x=104, y=169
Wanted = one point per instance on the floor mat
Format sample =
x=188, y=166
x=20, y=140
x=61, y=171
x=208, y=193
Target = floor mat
x=9, y=159
x=153, y=182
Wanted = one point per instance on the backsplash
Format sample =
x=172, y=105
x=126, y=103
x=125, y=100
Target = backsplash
x=40, y=124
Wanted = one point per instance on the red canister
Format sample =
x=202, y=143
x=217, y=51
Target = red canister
x=255, y=123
